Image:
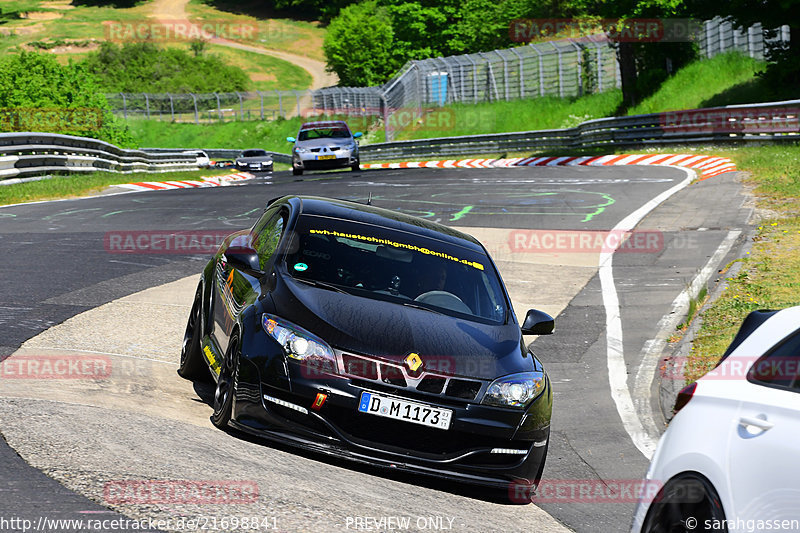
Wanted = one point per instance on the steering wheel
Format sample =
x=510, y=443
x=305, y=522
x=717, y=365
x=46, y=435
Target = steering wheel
x=444, y=299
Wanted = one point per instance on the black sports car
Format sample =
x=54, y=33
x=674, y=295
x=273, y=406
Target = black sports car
x=369, y=334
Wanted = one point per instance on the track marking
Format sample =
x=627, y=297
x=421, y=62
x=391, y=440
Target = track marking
x=617, y=370
x=653, y=348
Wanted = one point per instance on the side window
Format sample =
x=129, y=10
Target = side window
x=779, y=368
x=266, y=237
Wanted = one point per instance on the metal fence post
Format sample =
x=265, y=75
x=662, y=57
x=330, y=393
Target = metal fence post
x=196, y=114
x=387, y=130
x=241, y=105
x=505, y=72
x=560, y=71
x=124, y=106
x=147, y=105
x=541, y=69
x=599, y=68
x=474, y=79
x=219, y=108
x=579, y=62
x=171, y=108
x=297, y=97
x=261, y=97
x=521, y=73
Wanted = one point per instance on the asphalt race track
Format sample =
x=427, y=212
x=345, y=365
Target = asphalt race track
x=67, y=291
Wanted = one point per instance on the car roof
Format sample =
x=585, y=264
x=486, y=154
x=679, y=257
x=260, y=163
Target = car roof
x=324, y=124
x=376, y=216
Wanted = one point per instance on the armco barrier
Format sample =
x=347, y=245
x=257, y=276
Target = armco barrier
x=767, y=122
x=35, y=154
x=221, y=153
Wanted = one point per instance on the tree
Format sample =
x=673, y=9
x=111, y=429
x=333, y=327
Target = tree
x=359, y=45
x=772, y=14
x=643, y=63
x=39, y=94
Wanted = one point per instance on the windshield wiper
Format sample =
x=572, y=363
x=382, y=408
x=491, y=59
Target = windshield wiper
x=417, y=306
x=322, y=284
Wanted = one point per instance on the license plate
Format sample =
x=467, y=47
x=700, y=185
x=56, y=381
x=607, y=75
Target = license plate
x=319, y=157
x=418, y=413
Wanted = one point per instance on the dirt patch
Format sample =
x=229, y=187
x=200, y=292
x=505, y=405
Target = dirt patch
x=262, y=76
x=56, y=4
x=41, y=15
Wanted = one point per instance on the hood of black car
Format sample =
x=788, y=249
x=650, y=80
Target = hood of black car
x=392, y=331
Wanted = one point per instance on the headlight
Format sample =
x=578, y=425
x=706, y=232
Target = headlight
x=301, y=150
x=516, y=390
x=301, y=345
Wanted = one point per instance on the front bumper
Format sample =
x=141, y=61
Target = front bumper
x=255, y=167
x=311, y=161
x=462, y=452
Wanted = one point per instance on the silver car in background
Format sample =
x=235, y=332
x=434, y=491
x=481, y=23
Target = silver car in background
x=324, y=146
x=254, y=160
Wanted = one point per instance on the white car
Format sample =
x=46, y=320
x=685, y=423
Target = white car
x=203, y=161
x=729, y=460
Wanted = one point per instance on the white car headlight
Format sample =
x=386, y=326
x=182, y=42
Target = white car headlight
x=300, y=344
x=300, y=150
x=516, y=390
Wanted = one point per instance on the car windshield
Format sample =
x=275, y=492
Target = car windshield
x=323, y=133
x=380, y=263
x=254, y=153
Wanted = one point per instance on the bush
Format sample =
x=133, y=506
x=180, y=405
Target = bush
x=359, y=45
x=143, y=67
x=39, y=94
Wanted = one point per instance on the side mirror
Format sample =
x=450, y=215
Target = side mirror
x=538, y=323
x=242, y=258
x=357, y=134
x=291, y=139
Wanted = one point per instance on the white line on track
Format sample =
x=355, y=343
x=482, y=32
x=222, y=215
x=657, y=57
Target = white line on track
x=617, y=370
x=652, y=350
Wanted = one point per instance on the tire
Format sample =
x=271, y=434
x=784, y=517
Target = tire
x=192, y=365
x=356, y=166
x=690, y=496
x=297, y=171
x=223, y=395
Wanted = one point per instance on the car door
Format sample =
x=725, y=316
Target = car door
x=763, y=457
x=235, y=288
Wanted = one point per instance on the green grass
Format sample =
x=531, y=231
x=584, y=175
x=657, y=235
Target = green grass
x=704, y=83
x=254, y=134
x=269, y=135
x=74, y=185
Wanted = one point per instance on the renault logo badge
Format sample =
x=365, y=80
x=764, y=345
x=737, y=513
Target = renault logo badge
x=414, y=361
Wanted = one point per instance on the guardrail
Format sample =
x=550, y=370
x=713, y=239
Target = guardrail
x=771, y=122
x=221, y=153
x=35, y=154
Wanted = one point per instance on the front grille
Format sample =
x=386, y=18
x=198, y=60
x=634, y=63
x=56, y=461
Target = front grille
x=462, y=388
x=392, y=375
x=398, y=376
x=362, y=368
x=316, y=149
x=432, y=384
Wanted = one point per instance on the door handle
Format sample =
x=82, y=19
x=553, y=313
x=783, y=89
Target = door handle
x=760, y=423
